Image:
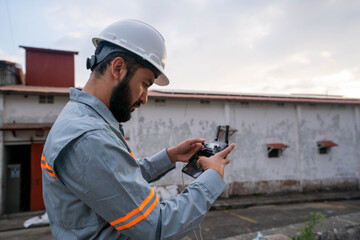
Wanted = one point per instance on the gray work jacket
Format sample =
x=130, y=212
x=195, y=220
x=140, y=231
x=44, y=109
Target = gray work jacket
x=93, y=188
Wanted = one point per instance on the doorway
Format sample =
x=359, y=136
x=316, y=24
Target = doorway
x=17, y=187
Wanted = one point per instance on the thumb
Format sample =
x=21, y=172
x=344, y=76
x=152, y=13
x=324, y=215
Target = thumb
x=199, y=162
x=226, y=161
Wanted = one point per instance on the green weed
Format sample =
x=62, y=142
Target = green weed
x=307, y=232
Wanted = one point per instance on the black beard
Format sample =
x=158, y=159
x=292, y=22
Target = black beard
x=120, y=104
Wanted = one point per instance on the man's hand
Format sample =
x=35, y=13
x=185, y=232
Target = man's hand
x=183, y=151
x=216, y=162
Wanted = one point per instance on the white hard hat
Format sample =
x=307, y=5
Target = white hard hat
x=141, y=39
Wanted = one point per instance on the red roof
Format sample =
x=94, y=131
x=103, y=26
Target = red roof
x=7, y=62
x=25, y=126
x=35, y=89
x=189, y=95
x=49, y=50
x=277, y=145
x=327, y=144
x=255, y=97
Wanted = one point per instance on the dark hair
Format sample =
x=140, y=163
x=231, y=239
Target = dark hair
x=131, y=63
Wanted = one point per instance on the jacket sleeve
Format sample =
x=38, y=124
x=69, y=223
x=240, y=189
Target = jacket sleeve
x=100, y=172
x=156, y=166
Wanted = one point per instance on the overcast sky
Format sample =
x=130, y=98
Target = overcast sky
x=253, y=46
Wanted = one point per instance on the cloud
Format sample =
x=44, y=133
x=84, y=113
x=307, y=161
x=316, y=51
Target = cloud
x=18, y=58
x=326, y=54
x=245, y=46
x=343, y=76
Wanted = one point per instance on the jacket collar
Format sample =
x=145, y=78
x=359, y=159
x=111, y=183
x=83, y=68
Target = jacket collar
x=96, y=104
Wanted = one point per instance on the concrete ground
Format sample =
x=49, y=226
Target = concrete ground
x=285, y=219
x=345, y=227
x=242, y=217
x=12, y=228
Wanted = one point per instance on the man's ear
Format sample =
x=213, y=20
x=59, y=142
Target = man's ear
x=118, y=68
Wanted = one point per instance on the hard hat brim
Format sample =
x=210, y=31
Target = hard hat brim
x=162, y=80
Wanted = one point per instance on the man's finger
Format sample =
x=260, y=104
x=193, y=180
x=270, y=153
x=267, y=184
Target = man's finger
x=198, y=147
x=199, y=161
x=226, y=151
x=195, y=140
x=194, y=148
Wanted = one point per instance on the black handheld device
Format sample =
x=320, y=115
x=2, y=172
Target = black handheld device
x=207, y=150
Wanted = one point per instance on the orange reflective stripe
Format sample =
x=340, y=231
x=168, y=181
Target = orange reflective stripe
x=136, y=210
x=131, y=153
x=46, y=166
x=141, y=217
x=51, y=173
x=43, y=164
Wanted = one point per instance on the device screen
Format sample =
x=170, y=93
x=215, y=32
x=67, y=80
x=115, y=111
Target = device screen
x=192, y=169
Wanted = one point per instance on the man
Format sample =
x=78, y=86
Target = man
x=93, y=187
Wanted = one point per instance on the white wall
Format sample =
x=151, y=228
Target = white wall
x=24, y=108
x=154, y=127
x=328, y=122
x=21, y=108
x=300, y=125
x=27, y=109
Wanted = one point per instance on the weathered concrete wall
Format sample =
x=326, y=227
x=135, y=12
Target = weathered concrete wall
x=327, y=122
x=21, y=108
x=159, y=125
x=156, y=126
x=27, y=109
x=259, y=124
x=357, y=139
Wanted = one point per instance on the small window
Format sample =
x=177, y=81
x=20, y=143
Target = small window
x=244, y=104
x=160, y=101
x=325, y=146
x=274, y=150
x=50, y=99
x=312, y=105
x=204, y=101
x=324, y=150
x=43, y=99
